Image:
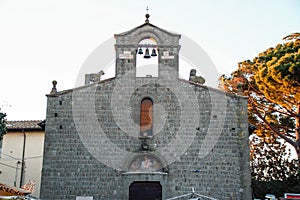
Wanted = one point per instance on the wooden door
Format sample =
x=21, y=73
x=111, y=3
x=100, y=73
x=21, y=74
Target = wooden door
x=145, y=190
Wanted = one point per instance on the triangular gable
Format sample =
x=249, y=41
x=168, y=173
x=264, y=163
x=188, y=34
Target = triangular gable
x=145, y=25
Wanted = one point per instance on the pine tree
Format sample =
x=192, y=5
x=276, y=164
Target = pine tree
x=272, y=82
x=271, y=161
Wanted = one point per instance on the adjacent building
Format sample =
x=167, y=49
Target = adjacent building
x=22, y=154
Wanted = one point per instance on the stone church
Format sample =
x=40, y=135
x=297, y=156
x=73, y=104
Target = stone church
x=154, y=136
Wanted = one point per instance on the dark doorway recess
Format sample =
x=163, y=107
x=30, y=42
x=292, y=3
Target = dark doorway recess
x=145, y=190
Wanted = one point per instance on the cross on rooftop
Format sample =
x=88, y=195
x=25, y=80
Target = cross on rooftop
x=147, y=16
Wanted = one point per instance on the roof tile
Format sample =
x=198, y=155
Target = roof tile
x=27, y=124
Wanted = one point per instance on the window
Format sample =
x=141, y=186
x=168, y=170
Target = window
x=146, y=122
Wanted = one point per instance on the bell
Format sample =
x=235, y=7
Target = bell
x=140, y=51
x=147, y=55
x=153, y=53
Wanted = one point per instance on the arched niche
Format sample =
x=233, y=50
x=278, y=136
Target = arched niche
x=145, y=163
x=146, y=117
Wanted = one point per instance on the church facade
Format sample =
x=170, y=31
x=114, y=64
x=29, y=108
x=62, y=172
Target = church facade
x=151, y=137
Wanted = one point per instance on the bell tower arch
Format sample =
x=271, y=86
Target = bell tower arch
x=147, y=59
x=128, y=48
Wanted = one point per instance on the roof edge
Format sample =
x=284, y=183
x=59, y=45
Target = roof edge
x=145, y=24
x=184, y=80
x=213, y=89
x=78, y=88
x=21, y=125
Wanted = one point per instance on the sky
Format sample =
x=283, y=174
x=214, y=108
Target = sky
x=46, y=40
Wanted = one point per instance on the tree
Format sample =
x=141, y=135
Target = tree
x=2, y=125
x=278, y=188
x=272, y=82
x=271, y=161
x=272, y=169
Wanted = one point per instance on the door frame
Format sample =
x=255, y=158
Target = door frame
x=136, y=187
x=130, y=177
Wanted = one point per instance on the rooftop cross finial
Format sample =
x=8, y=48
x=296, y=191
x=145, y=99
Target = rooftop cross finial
x=147, y=16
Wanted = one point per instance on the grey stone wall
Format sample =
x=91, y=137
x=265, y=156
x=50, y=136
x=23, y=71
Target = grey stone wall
x=71, y=170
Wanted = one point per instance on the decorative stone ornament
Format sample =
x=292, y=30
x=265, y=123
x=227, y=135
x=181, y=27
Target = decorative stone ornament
x=54, y=90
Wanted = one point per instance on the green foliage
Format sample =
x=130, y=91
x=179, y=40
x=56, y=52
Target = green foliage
x=272, y=82
x=2, y=125
x=277, y=73
x=272, y=169
x=278, y=188
x=292, y=36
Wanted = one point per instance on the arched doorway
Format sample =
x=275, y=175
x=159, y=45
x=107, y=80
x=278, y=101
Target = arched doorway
x=145, y=190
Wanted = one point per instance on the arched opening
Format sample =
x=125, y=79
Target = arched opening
x=147, y=59
x=146, y=121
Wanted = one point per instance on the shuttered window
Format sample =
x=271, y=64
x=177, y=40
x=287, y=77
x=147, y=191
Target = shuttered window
x=146, y=122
